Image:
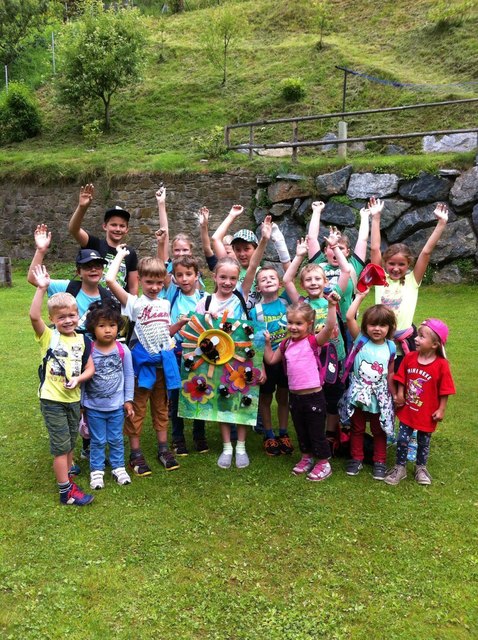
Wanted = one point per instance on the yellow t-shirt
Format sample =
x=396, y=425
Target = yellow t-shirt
x=68, y=353
x=400, y=298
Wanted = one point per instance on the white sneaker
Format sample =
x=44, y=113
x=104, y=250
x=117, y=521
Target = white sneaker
x=97, y=480
x=121, y=476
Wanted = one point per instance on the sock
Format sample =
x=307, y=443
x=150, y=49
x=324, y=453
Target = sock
x=283, y=431
x=64, y=487
x=134, y=453
x=241, y=446
x=269, y=433
x=227, y=448
x=162, y=447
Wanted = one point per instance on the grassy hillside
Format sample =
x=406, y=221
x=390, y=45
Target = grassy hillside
x=180, y=96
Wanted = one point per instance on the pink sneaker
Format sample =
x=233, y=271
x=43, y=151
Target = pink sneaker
x=304, y=465
x=321, y=471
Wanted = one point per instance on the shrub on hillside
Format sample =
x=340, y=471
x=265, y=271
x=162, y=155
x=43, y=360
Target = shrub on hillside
x=292, y=89
x=212, y=144
x=19, y=114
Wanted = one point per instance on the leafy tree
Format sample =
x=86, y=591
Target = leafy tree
x=18, y=19
x=322, y=18
x=101, y=53
x=222, y=32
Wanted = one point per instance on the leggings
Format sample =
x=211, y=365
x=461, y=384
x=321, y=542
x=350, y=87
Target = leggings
x=423, y=448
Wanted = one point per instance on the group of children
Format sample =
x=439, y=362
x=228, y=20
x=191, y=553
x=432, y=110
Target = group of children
x=112, y=350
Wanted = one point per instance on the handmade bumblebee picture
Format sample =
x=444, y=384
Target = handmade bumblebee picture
x=220, y=369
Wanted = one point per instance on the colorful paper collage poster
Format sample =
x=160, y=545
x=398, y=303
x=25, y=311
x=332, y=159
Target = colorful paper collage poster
x=220, y=369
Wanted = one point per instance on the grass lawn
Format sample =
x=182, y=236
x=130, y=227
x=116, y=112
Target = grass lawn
x=207, y=553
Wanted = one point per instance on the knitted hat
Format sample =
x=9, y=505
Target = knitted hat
x=246, y=236
x=371, y=275
x=440, y=329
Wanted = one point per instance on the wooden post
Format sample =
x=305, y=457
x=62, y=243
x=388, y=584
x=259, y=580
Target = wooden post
x=251, y=141
x=5, y=272
x=295, y=138
x=342, y=148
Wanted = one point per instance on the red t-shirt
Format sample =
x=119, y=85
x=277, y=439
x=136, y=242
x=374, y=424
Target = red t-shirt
x=424, y=384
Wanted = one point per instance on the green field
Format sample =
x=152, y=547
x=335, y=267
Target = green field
x=180, y=97
x=206, y=553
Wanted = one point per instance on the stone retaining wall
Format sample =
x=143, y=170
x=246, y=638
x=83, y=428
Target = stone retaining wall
x=408, y=214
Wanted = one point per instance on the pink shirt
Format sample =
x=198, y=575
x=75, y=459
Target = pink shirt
x=302, y=372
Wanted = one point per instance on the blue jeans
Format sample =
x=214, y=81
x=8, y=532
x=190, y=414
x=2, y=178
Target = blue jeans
x=106, y=427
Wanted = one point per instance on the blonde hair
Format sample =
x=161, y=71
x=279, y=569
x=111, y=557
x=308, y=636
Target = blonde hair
x=227, y=261
x=61, y=301
x=182, y=237
x=309, y=268
x=151, y=267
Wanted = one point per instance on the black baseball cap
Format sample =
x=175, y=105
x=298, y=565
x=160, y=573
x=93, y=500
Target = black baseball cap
x=89, y=255
x=117, y=211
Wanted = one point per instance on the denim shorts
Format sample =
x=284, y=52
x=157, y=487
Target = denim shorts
x=61, y=420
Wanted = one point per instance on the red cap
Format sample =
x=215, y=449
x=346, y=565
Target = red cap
x=371, y=275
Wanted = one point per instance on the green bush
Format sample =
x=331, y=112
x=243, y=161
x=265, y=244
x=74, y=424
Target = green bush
x=211, y=145
x=292, y=89
x=19, y=114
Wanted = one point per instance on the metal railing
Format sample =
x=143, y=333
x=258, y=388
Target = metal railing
x=342, y=140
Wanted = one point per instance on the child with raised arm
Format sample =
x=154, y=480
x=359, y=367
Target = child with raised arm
x=229, y=295
x=108, y=396
x=115, y=226
x=244, y=243
x=314, y=281
x=271, y=311
x=326, y=257
x=369, y=397
x=154, y=362
x=424, y=383
x=404, y=277
x=306, y=397
x=66, y=364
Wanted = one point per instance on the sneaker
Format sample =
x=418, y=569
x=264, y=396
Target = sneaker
x=139, y=466
x=421, y=475
x=168, y=460
x=76, y=496
x=224, y=461
x=304, y=465
x=120, y=475
x=74, y=470
x=271, y=447
x=180, y=448
x=85, y=454
x=285, y=445
x=321, y=471
x=201, y=445
x=399, y=472
x=353, y=467
x=379, y=471
x=97, y=480
x=242, y=460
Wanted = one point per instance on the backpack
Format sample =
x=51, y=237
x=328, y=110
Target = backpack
x=356, y=348
x=119, y=346
x=325, y=358
x=238, y=295
x=49, y=355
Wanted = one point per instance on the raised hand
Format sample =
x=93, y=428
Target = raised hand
x=236, y=211
x=318, y=206
x=122, y=250
x=441, y=212
x=375, y=206
x=203, y=216
x=86, y=195
x=41, y=276
x=333, y=238
x=302, y=247
x=161, y=195
x=42, y=237
x=266, y=228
